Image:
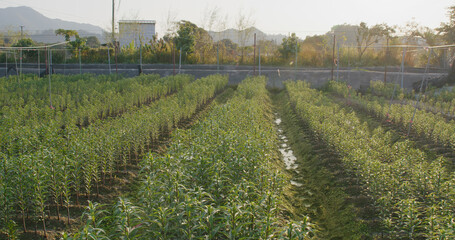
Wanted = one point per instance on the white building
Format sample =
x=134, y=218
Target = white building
x=136, y=31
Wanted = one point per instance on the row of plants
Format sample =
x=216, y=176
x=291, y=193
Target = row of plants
x=81, y=99
x=439, y=100
x=58, y=169
x=218, y=180
x=432, y=126
x=25, y=127
x=413, y=195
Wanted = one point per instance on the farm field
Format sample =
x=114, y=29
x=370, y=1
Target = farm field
x=175, y=157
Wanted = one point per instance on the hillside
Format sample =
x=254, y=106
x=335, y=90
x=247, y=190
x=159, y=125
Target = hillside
x=39, y=27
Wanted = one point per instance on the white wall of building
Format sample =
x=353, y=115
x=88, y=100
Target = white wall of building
x=137, y=31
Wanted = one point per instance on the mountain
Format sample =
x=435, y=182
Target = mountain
x=247, y=36
x=39, y=27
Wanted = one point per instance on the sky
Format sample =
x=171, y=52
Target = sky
x=304, y=17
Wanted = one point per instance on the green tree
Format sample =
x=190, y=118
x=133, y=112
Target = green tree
x=93, y=42
x=447, y=30
x=186, y=36
x=367, y=36
x=26, y=42
x=290, y=46
x=77, y=43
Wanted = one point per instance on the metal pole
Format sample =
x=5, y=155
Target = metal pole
x=254, y=56
x=349, y=64
x=338, y=60
x=80, y=62
x=333, y=54
x=51, y=67
x=20, y=62
x=64, y=61
x=180, y=60
x=259, y=53
x=45, y=60
x=6, y=64
x=218, y=58
x=385, y=60
x=402, y=66
x=140, y=56
x=109, y=59
x=173, y=57
x=295, y=66
x=113, y=22
x=50, y=95
x=39, y=65
x=116, y=48
x=420, y=91
x=15, y=61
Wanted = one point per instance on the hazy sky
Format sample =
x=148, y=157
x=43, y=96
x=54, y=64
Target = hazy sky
x=304, y=17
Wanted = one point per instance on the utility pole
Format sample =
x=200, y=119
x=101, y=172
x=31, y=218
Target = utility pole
x=333, y=53
x=113, y=21
x=22, y=32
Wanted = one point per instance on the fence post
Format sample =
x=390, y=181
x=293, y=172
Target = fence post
x=39, y=65
x=17, y=69
x=180, y=60
x=338, y=60
x=50, y=72
x=333, y=53
x=296, y=55
x=402, y=65
x=80, y=62
x=218, y=58
x=259, y=53
x=109, y=59
x=6, y=63
x=140, y=58
x=20, y=62
x=254, y=56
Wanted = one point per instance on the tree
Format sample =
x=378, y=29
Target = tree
x=447, y=30
x=92, y=42
x=290, y=46
x=26, y=42
x=245, y=27
x=185, y=36
x=78, y=43
x=367, y=36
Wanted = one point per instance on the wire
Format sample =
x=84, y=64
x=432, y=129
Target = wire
x=36, y=47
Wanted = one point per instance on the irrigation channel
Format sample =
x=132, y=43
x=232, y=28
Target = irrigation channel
x=319, y=185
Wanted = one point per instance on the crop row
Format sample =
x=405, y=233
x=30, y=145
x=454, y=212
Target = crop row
x=32, y=123
x=433, y=126
x=413, y=195
x=217, y=181
x=75, y=161
x=435, y=100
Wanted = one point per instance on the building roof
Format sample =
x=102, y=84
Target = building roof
x=137, y=21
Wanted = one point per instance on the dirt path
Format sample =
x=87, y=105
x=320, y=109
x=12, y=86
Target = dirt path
x=320, y=186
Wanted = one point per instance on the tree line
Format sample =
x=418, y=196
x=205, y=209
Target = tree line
x=355, y=45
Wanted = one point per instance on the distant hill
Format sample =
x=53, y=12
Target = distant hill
x=234, y=36
x=41, y=28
